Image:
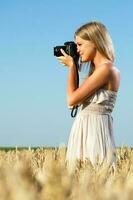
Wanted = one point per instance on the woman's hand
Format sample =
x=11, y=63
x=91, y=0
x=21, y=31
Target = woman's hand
x=66, y=59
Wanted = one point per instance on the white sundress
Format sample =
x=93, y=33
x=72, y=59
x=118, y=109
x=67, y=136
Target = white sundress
x=91, y=135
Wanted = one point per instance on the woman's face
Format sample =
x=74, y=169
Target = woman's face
x=86, y=49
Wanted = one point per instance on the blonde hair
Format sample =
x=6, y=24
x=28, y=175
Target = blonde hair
x=98, y=34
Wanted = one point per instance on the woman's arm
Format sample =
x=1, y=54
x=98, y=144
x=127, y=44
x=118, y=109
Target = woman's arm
x=76, y=95
x=99, y=78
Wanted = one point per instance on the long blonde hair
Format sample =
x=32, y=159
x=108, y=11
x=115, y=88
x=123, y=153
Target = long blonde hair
x=97, y=33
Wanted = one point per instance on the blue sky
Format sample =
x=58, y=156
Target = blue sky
x=33, y=110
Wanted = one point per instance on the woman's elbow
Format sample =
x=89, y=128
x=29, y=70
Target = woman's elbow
x=71, y=102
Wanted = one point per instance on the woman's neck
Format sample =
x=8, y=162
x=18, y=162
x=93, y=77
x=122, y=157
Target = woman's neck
x=100, y=60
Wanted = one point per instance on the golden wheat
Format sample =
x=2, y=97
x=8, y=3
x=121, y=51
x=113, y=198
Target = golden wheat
x=43, y=174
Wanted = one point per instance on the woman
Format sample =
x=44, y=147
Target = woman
x=91, y=135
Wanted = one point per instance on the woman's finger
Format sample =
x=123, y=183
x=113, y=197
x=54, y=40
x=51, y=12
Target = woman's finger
x=61, y=60
x=63, y=52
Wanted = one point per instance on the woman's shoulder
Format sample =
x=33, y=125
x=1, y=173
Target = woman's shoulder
x=115, y=71
x=114, y=81
x=112, y=68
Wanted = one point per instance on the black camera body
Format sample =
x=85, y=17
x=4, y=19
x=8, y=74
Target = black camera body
x=69, y=47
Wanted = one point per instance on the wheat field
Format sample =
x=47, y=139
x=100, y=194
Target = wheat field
x=42, y=174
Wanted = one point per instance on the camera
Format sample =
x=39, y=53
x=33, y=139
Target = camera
x=69, y=47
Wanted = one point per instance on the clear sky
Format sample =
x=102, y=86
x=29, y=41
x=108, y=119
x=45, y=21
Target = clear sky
x=33, y=109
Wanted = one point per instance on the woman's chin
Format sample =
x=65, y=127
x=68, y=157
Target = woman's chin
x=84, y=60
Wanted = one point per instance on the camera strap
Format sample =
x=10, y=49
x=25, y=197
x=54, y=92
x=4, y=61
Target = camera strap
x=75, y=108
x=74, y=111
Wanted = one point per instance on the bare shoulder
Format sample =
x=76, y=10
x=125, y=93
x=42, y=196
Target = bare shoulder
x=111, y=68
x=114, y=71
x=114, y=81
